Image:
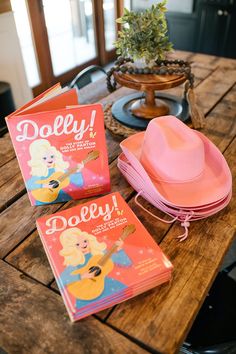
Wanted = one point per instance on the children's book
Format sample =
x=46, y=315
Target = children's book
x=60, y=146
x=101, y=255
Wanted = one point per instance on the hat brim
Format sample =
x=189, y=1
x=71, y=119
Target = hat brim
x=213, y=184
x=139, y=185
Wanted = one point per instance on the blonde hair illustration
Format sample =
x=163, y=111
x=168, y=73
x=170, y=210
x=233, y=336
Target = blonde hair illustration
x=37, y=150
x=72, y=255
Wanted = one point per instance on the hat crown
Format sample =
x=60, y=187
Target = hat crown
x=171, y=151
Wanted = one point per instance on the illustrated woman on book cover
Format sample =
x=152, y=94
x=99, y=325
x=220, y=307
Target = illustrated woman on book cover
x=45, y=161
x=81, y=249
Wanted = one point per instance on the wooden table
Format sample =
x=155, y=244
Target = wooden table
x=33, y=318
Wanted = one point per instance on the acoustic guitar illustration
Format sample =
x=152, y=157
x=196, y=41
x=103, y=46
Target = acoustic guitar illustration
x=100, y=266
x=59, y=180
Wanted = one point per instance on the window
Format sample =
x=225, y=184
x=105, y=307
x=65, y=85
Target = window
x=68, y=35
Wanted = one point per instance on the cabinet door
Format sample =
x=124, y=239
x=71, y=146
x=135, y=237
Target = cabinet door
x=216, y=29
x=229, y=47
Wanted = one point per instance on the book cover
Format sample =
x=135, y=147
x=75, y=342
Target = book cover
x=60, y=147
x=101, y=254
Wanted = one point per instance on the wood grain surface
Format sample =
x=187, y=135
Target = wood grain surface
x=35, y=321
x=33, y=316
x=203, y=249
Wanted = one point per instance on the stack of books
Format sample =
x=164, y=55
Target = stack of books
x=101, y=255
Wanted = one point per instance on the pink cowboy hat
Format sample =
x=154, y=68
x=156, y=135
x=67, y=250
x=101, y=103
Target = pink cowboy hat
x=182, y=167
x=181, y=214
x=136, y=181
x=141, y=184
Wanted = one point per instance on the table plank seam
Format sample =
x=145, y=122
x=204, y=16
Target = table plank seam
x=132, y=339
x=205, y=78
x=13, y=200
x=50, y=285
x=12, y=158
x=28, y=234
x=108, y=315
x=228, y=146
x=16, y=245
x=13, y=176
x=27, y=275
x=219, y=100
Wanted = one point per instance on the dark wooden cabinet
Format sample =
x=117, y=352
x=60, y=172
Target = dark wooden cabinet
x=209, y=29
x=216, y=28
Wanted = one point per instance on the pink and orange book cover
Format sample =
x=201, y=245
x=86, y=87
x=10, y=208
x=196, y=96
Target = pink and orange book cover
x=100, y=253
x=60, y=147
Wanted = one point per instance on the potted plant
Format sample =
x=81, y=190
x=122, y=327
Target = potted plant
x=142, y=46
x=143, y=37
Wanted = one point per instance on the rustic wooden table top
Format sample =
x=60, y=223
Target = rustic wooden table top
x=33, y=316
